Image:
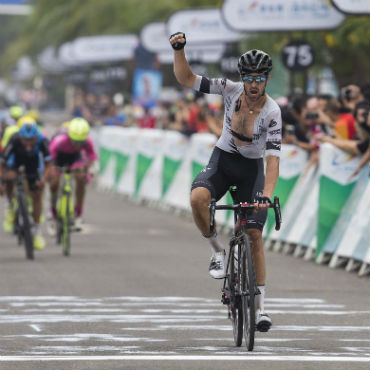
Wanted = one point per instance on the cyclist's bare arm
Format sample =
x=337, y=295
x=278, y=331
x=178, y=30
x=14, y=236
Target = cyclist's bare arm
x=181, y=68
x=272, y=175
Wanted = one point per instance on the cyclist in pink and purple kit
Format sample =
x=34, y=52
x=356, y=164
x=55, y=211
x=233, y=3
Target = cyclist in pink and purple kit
x=73, y=149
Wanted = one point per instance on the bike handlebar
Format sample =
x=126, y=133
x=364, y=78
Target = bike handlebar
x=237, y=207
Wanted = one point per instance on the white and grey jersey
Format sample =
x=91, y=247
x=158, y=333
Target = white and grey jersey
x=267, y=126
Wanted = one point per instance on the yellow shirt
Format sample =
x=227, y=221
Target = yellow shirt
x=8, y=133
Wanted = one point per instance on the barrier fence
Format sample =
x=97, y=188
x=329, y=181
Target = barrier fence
x=326, y=211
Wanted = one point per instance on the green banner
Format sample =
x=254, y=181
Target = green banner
x=170, y=168
x=104, y=157
x=282, y=190
x=121, y=164
x=143, y=164
x=195, y=169
x=332, y=197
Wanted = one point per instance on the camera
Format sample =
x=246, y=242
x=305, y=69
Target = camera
x=290, y=129
x=311, y=115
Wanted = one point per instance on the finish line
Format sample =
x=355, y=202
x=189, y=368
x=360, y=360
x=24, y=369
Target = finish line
x=185, y=358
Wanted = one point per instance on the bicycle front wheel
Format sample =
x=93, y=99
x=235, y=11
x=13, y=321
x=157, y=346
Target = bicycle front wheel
x=65, y=231
x=235, y=301
x=25, y=227
x=249, y=290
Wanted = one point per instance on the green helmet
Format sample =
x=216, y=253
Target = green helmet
x=16, y=112
x=78, y=129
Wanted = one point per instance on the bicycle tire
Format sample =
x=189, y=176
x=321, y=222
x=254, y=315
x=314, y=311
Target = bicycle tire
x=66, y=225
x=26, y=228
x=235, y=301
x=249, y=291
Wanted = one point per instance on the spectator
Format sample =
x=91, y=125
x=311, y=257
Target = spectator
x=147, y=120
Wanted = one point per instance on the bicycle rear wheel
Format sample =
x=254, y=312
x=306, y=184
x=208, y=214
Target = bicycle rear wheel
x=25, y=227
x=235, y=301
x=249, y=291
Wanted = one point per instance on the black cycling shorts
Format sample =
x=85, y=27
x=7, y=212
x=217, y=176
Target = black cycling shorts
x=232, y=169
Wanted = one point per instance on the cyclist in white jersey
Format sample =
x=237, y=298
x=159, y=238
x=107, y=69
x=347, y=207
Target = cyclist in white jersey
x=251, y=132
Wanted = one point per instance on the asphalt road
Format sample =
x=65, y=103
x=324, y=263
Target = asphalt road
x=135, y=294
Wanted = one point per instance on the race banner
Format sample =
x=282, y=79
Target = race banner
x=175, y=146
x=104, y=48
x=201, y=26
x=336, y=185
x=353, y=7
x=355, y=202
x=287, y=15
x=292, y=163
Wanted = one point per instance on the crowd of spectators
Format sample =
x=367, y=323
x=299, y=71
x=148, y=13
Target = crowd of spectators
x=308, y=121
x=342, y=121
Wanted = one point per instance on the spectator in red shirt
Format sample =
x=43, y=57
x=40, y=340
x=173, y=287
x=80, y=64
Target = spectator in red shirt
x=147, y=120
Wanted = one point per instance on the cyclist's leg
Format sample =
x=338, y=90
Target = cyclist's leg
x=209, y=183
x=53, y=180
x=9, y=175
x=35, y=190
x=80, y=178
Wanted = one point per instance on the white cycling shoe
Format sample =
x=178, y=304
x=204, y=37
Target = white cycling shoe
x=217, y=267
x=263, y=321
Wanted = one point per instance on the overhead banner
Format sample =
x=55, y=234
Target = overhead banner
x=287, y=15
x=154, y=37
x=15, y=7
x=358, y=7
x=95, y=49
x=201, y=26
x=204, y=54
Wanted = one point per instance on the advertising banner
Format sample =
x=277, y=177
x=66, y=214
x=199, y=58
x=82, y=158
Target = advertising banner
x=336, y=185
x=348, y=212
x=148, y=183
x=294, y=204
x=278, y=15
x=104, y=48
x=205, y=54
x=353, y=6
x=355, y=243
x=175, y=146
x=125, y=171
x=292, y=163
x=15, y=7
x=201, y=26
x=147, y=86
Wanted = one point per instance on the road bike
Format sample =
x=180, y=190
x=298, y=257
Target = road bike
x=22, y=226
x=240, y=286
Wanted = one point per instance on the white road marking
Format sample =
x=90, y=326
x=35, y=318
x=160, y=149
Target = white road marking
x=153, y=320
x=35, y=327
x=250, y=357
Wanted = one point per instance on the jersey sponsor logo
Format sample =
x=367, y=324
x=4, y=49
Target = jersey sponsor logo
x=275, y=132
x=272, y=123
x=273, y=145
x=238, y=105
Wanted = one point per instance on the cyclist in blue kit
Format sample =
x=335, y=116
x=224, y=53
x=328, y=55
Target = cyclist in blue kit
x=251, y=132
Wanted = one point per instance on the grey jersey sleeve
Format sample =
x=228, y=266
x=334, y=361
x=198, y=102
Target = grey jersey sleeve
x=273, y=137
x=220, y=86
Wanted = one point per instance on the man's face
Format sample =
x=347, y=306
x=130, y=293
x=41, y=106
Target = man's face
x=28, y=143
x=255, y=84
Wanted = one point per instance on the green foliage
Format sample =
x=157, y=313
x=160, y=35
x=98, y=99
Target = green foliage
x=345, y=49
x=55, y=22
